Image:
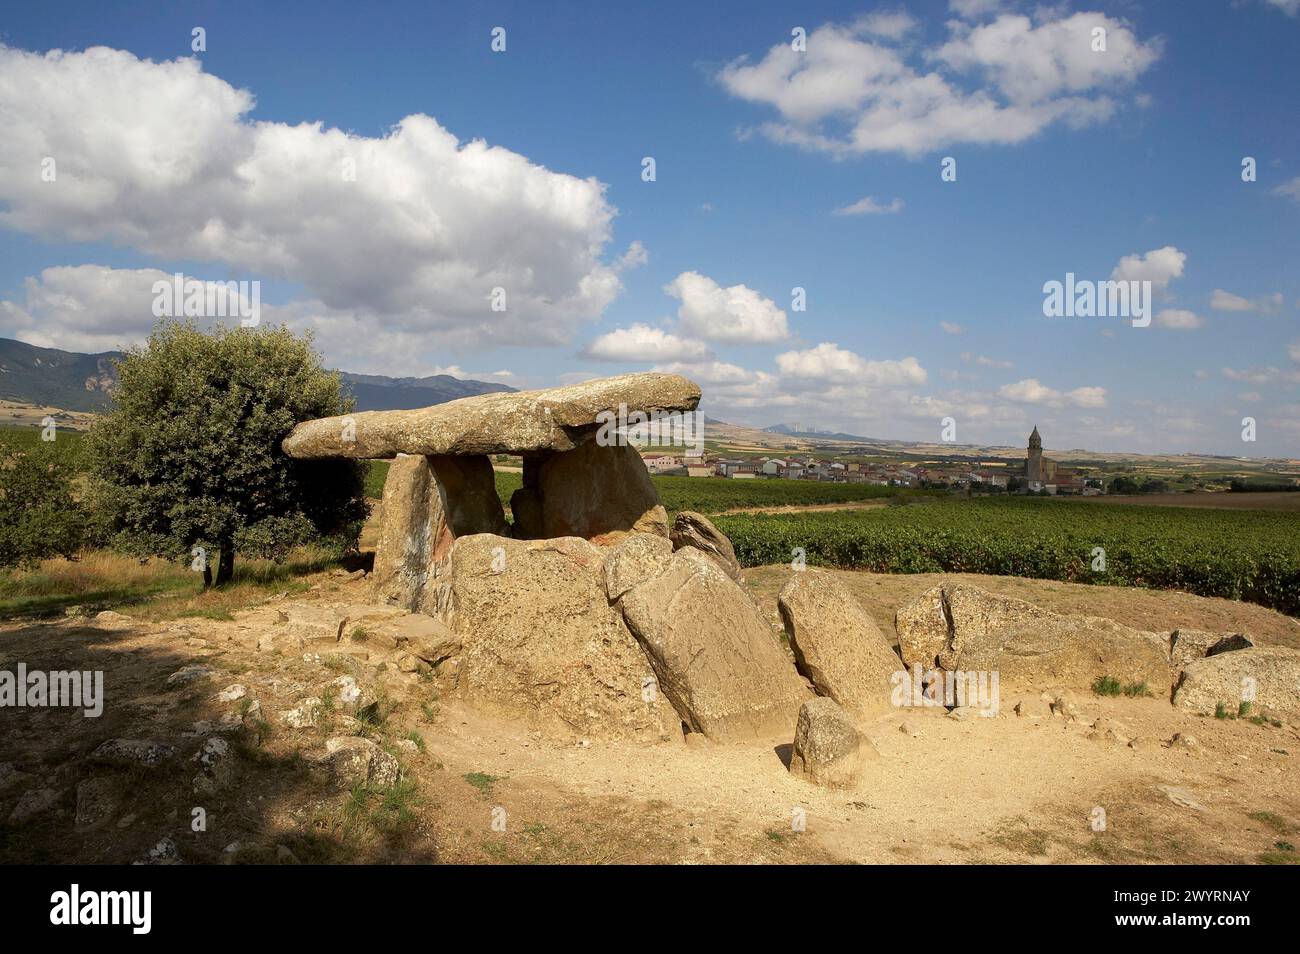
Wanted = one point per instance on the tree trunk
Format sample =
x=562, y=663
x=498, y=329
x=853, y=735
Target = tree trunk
x=207, y=575
x=226, y=568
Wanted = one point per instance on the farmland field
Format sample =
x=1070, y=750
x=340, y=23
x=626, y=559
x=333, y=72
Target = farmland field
x=707, y=494
x=1238, y=554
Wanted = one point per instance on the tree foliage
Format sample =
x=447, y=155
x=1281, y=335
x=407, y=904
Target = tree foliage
x=40, y=516
x=190, y=455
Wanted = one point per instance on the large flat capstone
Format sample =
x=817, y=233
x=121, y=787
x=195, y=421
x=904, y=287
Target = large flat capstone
x=519, y=422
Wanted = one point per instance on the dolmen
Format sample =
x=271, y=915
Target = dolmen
x=584, y=614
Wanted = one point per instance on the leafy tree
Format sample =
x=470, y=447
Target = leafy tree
x=39, y=514
x=190, y=456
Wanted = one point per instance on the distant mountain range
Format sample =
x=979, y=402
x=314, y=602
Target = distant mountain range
x=83, y=382
x=793, y=430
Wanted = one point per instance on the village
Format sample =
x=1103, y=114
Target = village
x=1038, y=475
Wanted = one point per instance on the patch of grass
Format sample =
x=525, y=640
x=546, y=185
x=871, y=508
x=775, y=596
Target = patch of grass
x=1243, y=710
x=1273, y=820
x=1107, y=686
x=359, y=635
x=215, y=612
x=776, y=835
x=1221, y=712
x=482, y=781
x=1020, y=837
x=1278, y=858
x=1137, y=690
x=495, y=849
x=1283, y=846
x=415, y=737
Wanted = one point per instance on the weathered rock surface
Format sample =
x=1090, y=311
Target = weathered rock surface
x=521, y=422
x=409, y=524
x=353, y=760
x=828, y=748
x=1270, y=673
x=837, y=646
x=1188, y=644
x=133, y=753
x=962, y=627
x=634, y=559
x=541, y=643
x=598, y=493
x=691, y=529
x=98, y=798
x=715, y=655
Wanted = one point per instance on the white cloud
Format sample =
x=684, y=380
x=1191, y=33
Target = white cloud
x=1032, y=391
x=163, y=158
x=1159, y=266
x=951, y=327
x=869, y=206
x=1290, y=7
x=1178, y=319
x=830, y=362
x=1222, y=300
x=971, y=9
x=854, y=92
x=734, y=315
x=1291, y=187
x=892, y=25
x=643, y=343
x=986, y=362
x=1255, y=376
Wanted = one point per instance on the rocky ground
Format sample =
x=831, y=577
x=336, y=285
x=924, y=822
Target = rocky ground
x=273, y=738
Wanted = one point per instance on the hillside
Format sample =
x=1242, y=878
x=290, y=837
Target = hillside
x=50, y=378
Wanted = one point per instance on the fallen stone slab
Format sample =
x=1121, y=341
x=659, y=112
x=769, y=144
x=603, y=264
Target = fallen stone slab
x=519, y=422
x=828, y=748
x=960, y=627
x=1267, y=677
x=133, y=753
x=713, y=652
x=837, y=645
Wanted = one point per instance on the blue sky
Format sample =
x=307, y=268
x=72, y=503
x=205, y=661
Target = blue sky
x=1068, y=159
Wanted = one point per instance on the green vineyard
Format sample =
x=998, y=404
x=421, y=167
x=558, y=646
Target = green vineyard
x=1239, y=554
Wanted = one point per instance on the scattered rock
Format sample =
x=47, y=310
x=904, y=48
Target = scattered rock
x=1108, y=730
x=1185, y=742
x=98, y=799
x=108, y=619
x=216, y=766
x=828, y=748
x=188, y=674
x=1181, y=797
x=305, y=715
x=133, y=753
x=715, y=656
x=352, y=760
x=35, y=801
x=163, y=853
x=232, y=693
x=692, y=529
x=836, y=644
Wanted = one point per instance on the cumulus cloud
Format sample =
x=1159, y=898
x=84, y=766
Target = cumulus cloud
x=1178, y=319
x=951, y=327
x=163, y=157
x=1222, y=300
x=1159, y=266
x=830, y=362
x=869, y=206
x=1032, y=391
x=856, y=91
x=643, y=343
x=1290, y=7
x=732, y=315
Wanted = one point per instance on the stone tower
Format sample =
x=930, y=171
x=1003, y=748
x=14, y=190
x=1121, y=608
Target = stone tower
x=1034, y=464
